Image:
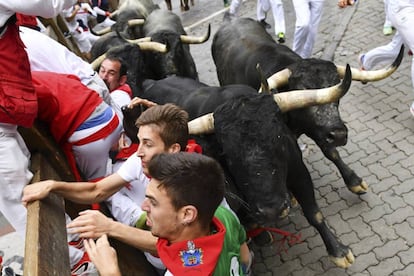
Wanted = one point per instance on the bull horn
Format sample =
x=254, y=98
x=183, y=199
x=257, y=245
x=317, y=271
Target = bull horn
x=202, y=125
x=102, y=32
x=153, y=46
x=196, y=39
x=278, y=79
x=97, y=62
x=114, y=14
x=303, y=98
x=136, y=22
x=144, y=46
x=374, y=75
x=139, y=40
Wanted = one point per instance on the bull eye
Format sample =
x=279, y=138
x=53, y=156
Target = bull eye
x=258, y=174
x=274, y=172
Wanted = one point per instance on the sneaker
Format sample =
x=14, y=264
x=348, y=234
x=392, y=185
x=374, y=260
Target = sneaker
x=228, y=16
x=387, y=30
x=8, y=271
x=84, y=267
x=265, y=24
x=281, y=37
x=361, y=61
x=412, y=109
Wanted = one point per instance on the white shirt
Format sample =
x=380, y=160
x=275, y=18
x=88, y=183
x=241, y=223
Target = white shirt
x=44, y=8
x=46, y=54
x=132, y=172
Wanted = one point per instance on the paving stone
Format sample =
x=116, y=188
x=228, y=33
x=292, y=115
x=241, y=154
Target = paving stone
x=405, y=231
x=363, y=261
x=390, y=248
x=362, y=229
x=366, y=245
x=385, y=231
x=399, y=215
x=395, y=201
x=386, y=267
x=406, y=257
x=376, y=212
x=406, y=271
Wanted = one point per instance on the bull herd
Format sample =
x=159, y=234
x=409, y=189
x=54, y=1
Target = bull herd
x=268, y=96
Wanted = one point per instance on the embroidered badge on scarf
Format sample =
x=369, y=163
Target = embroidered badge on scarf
x=192, y=256
x=197, y=257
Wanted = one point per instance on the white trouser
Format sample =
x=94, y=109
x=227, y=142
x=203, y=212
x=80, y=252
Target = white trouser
x=383, y=55
x=14, y=175
x=263, y=7
x=401, y=15
x=387, y=22
x=308, y=15
x=234, y=7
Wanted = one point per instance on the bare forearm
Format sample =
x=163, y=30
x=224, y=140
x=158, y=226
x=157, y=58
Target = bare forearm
x=138, y=238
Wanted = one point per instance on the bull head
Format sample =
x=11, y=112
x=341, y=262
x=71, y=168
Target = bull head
x=286, y=101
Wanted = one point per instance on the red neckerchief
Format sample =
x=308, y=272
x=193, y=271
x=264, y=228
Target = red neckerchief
x=126, y=88
x=124, y=153
x=193, y=257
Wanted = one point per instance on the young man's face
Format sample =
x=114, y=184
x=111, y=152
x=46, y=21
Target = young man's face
x=162, y=217
x=109, y=73
x=150, y=144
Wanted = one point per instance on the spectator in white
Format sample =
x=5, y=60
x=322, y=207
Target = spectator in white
x=84, y=39
x=263, y=7
x=401, y=15
x=387, y=29
x=101, y=7
x=308, y=15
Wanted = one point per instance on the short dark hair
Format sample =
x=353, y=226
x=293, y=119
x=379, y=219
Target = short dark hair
x=124, y=67
x=190, y=179
x=172, y=120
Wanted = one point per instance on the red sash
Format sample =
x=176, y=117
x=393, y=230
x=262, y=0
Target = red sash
x=193, y=257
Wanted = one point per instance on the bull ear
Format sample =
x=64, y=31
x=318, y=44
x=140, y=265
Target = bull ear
x=264, y=86
x=303, y=98
x=374, y=75
x=202, y=125
x=196, y=39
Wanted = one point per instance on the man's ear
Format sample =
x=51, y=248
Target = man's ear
x=174, y=148
x=189, y=214
x=123, y=79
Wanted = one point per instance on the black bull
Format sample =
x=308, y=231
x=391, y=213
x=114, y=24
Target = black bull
x=242, y=44
x=256, y=148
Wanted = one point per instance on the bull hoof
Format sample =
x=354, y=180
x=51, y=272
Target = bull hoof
x=284, y=213
x=294, y=202
x=359, y=189
x=344, y=262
